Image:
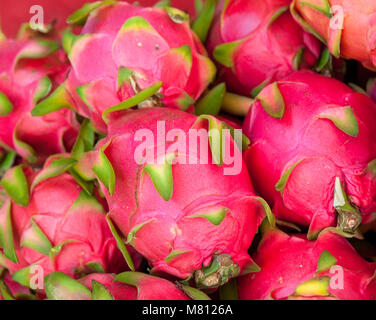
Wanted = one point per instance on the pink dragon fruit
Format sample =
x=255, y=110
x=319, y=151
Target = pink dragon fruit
x=347, y=27
x=258, y=42
x=125, y=286
x=124, y=49
x=15, y=14
x=294, y=268
x=28, y=70
x=52, y=223
x=313, y=151
x=185, y=215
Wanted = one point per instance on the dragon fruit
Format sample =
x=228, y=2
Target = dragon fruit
x=51, y=223
x=2, y=159
x=125, y=286
x=294, y=268
x=185, y=215
x=258, y=42
x=124, y=49
x=347, y=27
x=28, y=70
x=7, y=159
x=313, y=151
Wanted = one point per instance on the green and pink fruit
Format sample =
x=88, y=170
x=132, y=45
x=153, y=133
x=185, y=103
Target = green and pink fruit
x=29, y=70
x=50, y=223
x=124, y=49
x=371, y=88
x=347, y=27
x=125, y=286
x=294, y=268
x=313, y=151
x=12, y=290
x=258, y=42
x=182, y=212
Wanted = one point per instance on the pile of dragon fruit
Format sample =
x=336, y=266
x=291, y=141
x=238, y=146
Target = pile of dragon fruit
x=274, y=199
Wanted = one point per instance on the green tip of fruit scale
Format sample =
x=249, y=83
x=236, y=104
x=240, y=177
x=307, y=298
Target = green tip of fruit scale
x=104, y=171
x=326, y=261
x=120, y=243
x=161, y=176
x=80, y=16
x=202, y=23
x=132, y=278
x=136, y=24
x=35, y=239
x=343, y=118
x=59, y=99
x=211, y=103
x=193, y=293
x=214, y=216
x=349, y=217
x=224, y=53
x=100, y=292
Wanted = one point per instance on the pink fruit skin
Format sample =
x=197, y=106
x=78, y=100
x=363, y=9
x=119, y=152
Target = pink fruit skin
x=55, y=206
x=358, y=38
x=233, y=122
x=19, y=80
x=151, y=288
x=324, y=150
x=197, y=189
x=97, y=57
x=286, y=261
x=266, y=52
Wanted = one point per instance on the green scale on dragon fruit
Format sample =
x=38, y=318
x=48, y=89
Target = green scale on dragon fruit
x=124, y=286
x=29, y=70
x=258, y=42
x=124, y=49
x=50, y=222
x=295, y=268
